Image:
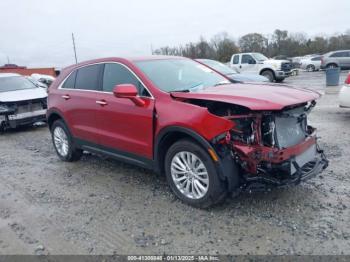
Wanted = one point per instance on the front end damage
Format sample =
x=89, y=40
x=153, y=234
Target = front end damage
x=271, y=148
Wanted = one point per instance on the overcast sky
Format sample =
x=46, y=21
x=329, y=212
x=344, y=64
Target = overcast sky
x=38, y=33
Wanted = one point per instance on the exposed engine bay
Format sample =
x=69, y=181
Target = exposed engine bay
x=276, y=147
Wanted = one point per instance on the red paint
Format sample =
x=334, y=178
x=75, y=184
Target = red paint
x=122, y=123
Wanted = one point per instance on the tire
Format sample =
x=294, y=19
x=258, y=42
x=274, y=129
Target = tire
x=214, y=191
x=310, y=68
x=331, y=66
x=279, y=80
x=269, y=75
x=63, y=142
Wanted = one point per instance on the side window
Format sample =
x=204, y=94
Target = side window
x=116, y=74
x=316, y=59
x=339, y=54
x=246, y=59
x=88, y=77
x=236, y=60
x=70, y=81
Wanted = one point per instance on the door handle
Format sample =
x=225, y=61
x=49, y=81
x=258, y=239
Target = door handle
x=66, y=97
x=240, y=66
x=101, y=102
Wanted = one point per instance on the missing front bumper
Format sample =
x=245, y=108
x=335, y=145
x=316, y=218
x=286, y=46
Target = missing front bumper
x=279, y=176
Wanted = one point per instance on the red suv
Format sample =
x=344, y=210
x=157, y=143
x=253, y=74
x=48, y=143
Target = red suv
x=185, y=120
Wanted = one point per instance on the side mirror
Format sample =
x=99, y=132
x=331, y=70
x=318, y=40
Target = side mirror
x=128, y=91
x=251, y=62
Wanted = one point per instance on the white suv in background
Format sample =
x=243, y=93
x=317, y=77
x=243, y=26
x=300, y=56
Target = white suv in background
x=256, y=63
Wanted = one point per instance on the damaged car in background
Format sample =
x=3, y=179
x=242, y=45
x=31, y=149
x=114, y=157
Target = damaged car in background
x=180, y=118
x=21, y=101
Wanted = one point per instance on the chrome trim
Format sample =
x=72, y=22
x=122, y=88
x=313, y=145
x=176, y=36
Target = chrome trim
x=105, y=92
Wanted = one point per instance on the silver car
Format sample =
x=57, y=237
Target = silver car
x=340, y=58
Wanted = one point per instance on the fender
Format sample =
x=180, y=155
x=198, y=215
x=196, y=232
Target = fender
x=225, y=166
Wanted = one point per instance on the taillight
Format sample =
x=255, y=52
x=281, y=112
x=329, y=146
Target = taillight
x=347, y=81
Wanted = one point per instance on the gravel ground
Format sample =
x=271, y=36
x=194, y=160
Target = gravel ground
x=98, y=206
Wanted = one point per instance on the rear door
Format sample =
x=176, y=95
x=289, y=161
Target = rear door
x=123, y=126
x=78, y=93
x=236, y=62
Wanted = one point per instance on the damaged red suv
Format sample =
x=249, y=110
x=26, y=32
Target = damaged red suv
x=180, y=118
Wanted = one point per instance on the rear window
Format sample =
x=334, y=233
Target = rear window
x=88, y=77
x=70, y=82
x=13, y=83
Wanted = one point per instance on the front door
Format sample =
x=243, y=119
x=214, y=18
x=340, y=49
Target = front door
x=124, y=126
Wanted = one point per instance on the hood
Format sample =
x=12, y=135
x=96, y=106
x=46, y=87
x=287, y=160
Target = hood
x=22, y=95
x=254, y=96
x=243, y=77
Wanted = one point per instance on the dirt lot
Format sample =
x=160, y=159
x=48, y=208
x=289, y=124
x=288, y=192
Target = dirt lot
x=98, y=206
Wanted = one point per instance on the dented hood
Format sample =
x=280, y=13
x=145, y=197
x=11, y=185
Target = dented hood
x=24, y=94
x=253, y=96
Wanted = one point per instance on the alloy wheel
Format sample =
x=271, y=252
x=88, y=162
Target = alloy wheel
x=61, y=141
x=189, y=175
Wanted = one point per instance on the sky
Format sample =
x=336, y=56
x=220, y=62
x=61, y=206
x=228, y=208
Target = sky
x=37, y=33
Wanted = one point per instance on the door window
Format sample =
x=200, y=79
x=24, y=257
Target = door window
x=246, y=59
x=70, y=81
x=236, y=60
x=116, y=74
x=88, y=77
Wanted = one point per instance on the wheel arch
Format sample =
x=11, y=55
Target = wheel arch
x=268, y=69
x=169, y=135
x=54, y=116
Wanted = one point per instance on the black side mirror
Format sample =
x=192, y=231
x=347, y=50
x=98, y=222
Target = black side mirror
x=251, y=62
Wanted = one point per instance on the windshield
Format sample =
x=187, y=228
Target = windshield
x=180, y=74
x=13, y=83
x=260, y=57
x=220, y=67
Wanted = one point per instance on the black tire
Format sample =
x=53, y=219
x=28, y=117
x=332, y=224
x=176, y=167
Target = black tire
x=73, y=153
x=332, y=65
x=279, y=80
x=217, y=189
x=310, y=68
x=269, y=75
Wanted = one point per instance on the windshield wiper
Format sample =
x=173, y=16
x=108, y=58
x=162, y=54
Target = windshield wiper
x=222, y=83
x=188, y=89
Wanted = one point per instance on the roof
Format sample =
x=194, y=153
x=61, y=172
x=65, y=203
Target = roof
x=8, y=74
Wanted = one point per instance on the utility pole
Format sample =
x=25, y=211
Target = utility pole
x=8, y=59
x=75, y=51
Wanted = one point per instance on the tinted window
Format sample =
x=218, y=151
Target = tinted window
x=236, y=59
x=88, y=77
x=316, y=59
x=116, y=74
x=246, y=59
x=70, y=82
x=340, y=54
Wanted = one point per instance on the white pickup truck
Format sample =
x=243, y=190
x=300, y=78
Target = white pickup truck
x=256, y=63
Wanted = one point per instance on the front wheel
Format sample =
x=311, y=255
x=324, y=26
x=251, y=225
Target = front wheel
x=192, y=176
x=310, y=68
x=269, y=75
x=63, y=142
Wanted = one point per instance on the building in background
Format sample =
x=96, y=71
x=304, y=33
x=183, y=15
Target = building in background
x=23, y=70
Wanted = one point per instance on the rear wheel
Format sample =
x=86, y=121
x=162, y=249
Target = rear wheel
x=310, y=68
x=63, y=142
x=269, y=75
x=332, y=66
x=192, y=176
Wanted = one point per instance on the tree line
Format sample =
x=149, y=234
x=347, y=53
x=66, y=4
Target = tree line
x=221, y=46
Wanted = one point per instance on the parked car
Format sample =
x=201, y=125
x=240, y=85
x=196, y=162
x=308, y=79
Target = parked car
x=344, y=94
x=256, y=63
x=36, y=82
x=46, y=79
x=21, y=102
x=231, y=73
x=182, y=119
x=311, y=64
x=334, y=59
